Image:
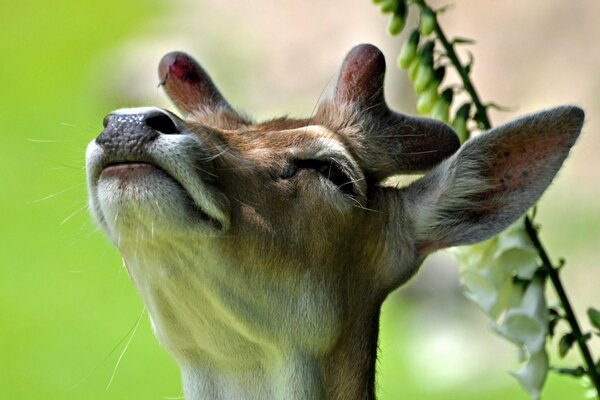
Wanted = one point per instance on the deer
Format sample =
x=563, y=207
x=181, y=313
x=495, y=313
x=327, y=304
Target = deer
x=263, y=251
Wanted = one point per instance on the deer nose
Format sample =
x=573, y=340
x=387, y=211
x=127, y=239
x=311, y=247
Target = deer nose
x=133, y=128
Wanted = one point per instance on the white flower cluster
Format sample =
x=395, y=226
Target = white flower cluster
x=493, y=274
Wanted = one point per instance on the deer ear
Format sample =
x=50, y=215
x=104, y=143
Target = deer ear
x=193, y=92
x=491, y=180
x=394, y=143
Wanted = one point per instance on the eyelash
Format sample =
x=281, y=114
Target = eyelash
x=328, y=169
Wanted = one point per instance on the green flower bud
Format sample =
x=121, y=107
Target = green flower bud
x=438, y=75
x=423, y=73
x=427, y=22
x=402, y=9
x=424, y=76
x=414, y=67
x=378, y=1
x=427, y=99
x=426, y=51
x=409, y=50
x=396, y=24
x=388, y=6
x=460, y=122
x=441, y=107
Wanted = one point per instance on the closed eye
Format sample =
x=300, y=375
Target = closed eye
x=328, y=169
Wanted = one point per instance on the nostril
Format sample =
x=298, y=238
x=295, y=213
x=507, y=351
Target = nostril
x=161, y=123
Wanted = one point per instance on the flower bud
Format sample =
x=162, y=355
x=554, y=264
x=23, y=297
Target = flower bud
x=427, y=99
x=427, y=22
x=396, y=24
x=441, y=107
x=423, y=73
x=414, y=67
x=409, y=50
x=388, y=6
x=460, y=122
x=438, y=75
x=426, y=51
x=424, y=76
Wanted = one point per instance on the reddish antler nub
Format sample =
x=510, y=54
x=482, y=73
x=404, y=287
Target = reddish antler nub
x=361, y=77
x=396, y=143
x=189, y=86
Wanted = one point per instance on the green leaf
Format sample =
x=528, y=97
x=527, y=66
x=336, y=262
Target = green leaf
x=594, y=316
x=552, y=322
x=565, y=344
x=469, y=65
x=553, y=311
x=500, y=107
x=576, y=372
x=462, y=40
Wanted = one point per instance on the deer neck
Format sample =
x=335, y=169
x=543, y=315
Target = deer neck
x=231, y=343
x=347, y=373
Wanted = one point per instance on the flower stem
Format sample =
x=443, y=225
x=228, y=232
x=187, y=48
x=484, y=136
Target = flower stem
x=552, y=272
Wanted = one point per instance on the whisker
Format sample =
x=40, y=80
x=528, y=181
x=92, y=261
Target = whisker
x=316, y=106
x=420, y=152
x=73, y=214
x=137, y=324
x=32, y=140
x=89, y=128
x=110, y=353
x=58, y=193
x=360, y=206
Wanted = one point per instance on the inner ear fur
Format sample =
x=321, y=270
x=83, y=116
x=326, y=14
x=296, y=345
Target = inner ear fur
x=492, y=180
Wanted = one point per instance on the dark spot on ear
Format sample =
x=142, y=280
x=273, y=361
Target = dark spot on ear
x=507, y=154
x=184, y=69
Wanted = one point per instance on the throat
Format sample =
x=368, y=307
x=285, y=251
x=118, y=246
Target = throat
x=291, y=342
x=295, y=377
x=343, y=376
x=347, y=373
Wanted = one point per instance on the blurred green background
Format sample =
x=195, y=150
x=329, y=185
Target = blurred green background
x=67, y=308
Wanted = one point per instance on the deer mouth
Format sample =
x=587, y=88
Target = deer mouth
x=127, y=170
x=128, y=174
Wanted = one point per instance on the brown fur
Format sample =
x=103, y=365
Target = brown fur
x=294, y=234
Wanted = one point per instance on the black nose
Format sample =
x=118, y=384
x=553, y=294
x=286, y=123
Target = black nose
x=131, y=130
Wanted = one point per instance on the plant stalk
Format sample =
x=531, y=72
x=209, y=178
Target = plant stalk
x=548, y=268
x=553, y=274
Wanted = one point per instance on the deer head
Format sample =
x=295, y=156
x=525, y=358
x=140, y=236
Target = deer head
x=263, y=251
